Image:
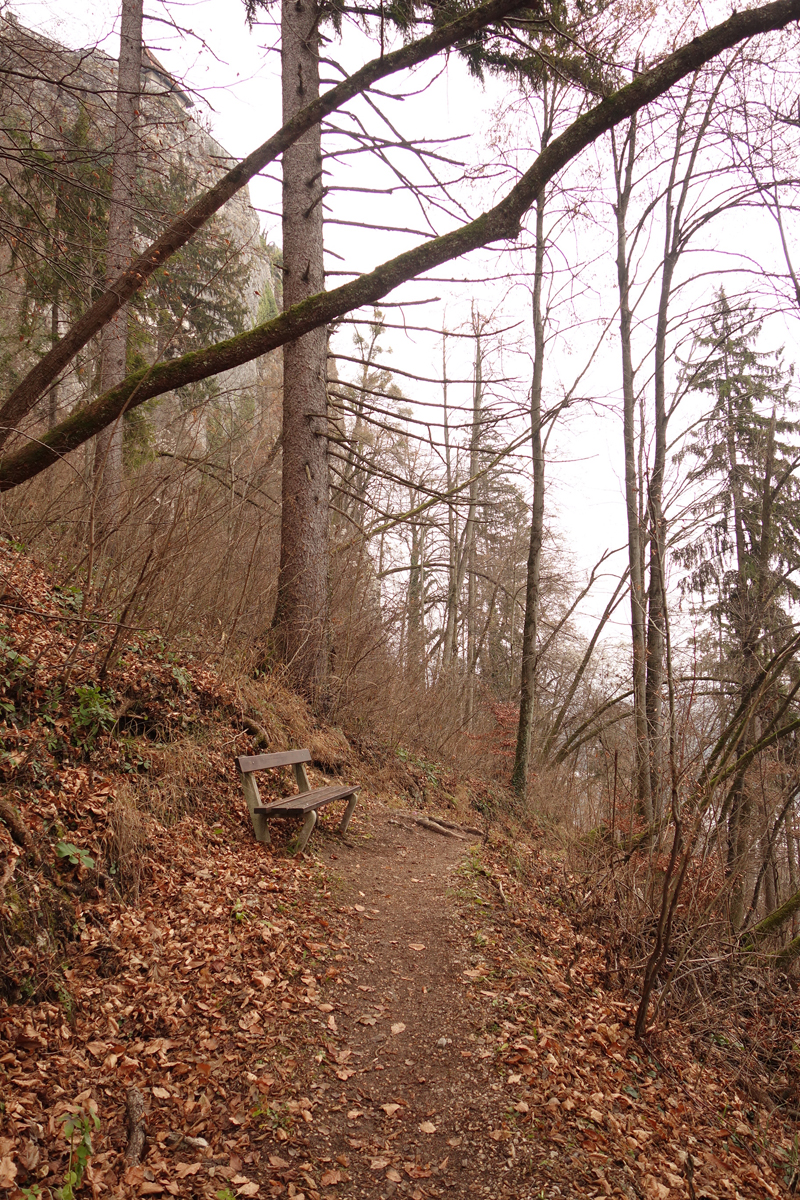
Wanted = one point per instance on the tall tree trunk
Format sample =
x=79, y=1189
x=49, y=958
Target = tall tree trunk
x=119, y=250
x=301, y=620
x=530, y=627
x=623, y=173
x=415, y=661
x=471, y=525
x=451, y=604
x=657, y=527
x=752, y=595
x=53, y=397
x=674, y=244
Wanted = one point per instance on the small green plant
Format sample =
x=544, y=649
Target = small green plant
x=225, y=1194
x=30, y=1193
x=12, y=664
x=66, y=1000
x=182, y=678
x=239, y=912
x=93, y=712
x=71, y=598
x=78, y=1127
x=75, y=854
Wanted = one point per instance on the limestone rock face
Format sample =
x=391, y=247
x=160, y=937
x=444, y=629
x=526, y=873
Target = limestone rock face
x=56, y=143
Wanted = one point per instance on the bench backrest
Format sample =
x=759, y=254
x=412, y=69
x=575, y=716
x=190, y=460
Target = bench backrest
x=262, y=762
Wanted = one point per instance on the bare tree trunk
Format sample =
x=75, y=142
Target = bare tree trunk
x=623, y=173
x=451, y=604
x=530, y=627
x=471, y=525
x=119, y=250
x=53, y=397
x=415, y=662
x=301, y=617
x=792, y=862
x=656, y=589
x=747, y=621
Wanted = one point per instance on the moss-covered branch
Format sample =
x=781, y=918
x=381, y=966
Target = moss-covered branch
x=774, y=921
x=789, y=953
x=501, y=222
x=47, y=370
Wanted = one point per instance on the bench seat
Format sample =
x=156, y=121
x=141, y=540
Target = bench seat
x=307, y=801
x=316, y=798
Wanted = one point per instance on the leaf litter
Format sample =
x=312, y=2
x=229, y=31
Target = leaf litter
x=227, y=982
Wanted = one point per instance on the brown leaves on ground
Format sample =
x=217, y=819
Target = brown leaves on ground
x=628, y=1118
x=208, y=997
x=195, y=965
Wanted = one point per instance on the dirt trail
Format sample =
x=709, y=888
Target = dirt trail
x=418, y=1112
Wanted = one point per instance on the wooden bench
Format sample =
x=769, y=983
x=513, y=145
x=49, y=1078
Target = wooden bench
x=308, y=800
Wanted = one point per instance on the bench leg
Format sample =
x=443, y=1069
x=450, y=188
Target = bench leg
x=253, y=798
x=348, y=812
x=305, y=832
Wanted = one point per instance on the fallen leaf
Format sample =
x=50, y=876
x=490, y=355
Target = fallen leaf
x=390, y=1109
x=278, y=1163
x=160, y=1093
x=184, y=1169
x=378, y=1164
x=331, y=1178
x=655, y=1189
x=354, y=1114
x=427, y=1127
x=248, y=1189
x=8, y=1172
x=344, y=1074
x=393, y=1176
x=398, y=1027
x=416, y=946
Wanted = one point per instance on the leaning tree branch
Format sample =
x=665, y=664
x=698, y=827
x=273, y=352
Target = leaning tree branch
x=499, y=223
x=28, y=391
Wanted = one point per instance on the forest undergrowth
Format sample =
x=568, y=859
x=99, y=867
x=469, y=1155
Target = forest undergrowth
x=163, y=975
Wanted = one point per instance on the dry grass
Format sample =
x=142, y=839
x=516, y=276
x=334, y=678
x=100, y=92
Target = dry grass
x=125, y=843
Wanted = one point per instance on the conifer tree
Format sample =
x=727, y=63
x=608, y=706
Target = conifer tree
x=745, y=559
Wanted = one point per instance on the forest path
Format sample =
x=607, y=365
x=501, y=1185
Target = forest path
x=418, y=1112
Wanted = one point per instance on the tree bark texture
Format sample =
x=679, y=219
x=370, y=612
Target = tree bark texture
x=746, y=619
x=498, y=223
x=451, y=607
x=301, y=618
x=675, y=241
x=470, y=528
x=530, y=627
x=623, y=171
x=119, y=249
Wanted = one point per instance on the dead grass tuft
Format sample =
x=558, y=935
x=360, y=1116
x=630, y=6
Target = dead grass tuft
x=125, y=843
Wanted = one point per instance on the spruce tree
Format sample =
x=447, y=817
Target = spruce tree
x=744, y=558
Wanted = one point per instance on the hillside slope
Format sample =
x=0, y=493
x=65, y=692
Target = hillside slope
x=395, y=1013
